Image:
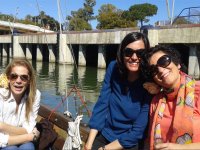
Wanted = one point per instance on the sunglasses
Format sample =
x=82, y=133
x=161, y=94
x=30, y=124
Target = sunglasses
x=163, y=62
x=14, y=76
x=128, y=52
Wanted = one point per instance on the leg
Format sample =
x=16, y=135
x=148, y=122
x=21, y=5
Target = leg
x=27, y=146
x=99, y=141
x=10, y=148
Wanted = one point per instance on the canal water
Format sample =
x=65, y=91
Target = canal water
x=55, y=80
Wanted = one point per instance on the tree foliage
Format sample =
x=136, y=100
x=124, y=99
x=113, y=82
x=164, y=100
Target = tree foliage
x=110, y=17
x=46, y=21
x=181, y=20
x=141, y=12
x=42, y=20
x=79, y=20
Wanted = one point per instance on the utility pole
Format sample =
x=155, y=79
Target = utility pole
x=172, y=11
x=168, y=11
x=58, y=4
x=170, y=17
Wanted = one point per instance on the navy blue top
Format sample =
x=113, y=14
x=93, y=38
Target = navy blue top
x=121, y=111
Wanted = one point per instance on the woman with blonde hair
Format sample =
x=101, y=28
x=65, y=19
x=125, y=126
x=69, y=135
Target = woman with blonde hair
x=19, y=104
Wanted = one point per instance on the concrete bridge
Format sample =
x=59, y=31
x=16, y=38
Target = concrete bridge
x=99, y=47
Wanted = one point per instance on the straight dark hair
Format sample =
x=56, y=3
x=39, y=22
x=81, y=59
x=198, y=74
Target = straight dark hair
x=129, y=38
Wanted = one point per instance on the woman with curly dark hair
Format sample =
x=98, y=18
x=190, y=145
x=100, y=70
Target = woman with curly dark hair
x=175, y=109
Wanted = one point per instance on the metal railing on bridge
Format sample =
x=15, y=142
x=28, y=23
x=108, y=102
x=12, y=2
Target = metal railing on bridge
x=190, y=15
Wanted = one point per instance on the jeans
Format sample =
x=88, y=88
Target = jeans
x=26, y=146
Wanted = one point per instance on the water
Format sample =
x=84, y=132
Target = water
x=54, y=82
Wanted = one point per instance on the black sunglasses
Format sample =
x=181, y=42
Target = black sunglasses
x=163, y=62
x=14, y=76
x=128, y=52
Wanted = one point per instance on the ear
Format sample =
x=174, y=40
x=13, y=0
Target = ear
x=179, y=66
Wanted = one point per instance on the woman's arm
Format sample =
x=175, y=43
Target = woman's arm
x=12, y=130
x=27, y=126
x=97, y=120
x=173, y=146
x=6, y=139
x=92, y=134
x=100, y=110
x=19, y=139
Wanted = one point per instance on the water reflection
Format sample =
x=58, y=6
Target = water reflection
x=54, y=81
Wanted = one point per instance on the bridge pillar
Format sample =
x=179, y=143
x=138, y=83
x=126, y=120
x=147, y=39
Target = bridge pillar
x=52, y=57
x=193, y=67
x=17, y=48
x=10, y=50
x=82, y=55
x=101, y=56
x=64, y=71
x=38, y=53
x=5, y=50
x=153, y=37
x=65, y=56
x=28, y=51
x=100, y=74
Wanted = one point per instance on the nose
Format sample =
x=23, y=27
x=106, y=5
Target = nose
x=160, y=69
x=18, y=79
x=134, y=56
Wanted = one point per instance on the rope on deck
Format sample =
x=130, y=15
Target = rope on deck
x=73, y=139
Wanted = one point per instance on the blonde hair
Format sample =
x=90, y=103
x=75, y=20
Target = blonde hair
x=31, y=89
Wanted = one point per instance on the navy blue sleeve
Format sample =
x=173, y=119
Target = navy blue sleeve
x=97, y=120
x=130, y=138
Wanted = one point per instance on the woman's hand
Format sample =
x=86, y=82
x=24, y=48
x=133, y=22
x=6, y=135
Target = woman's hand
x=36, y=134
x=152, y=87
x=86, y=147
x=167, y=146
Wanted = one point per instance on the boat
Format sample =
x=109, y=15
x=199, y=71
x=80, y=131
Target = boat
x=60, y=123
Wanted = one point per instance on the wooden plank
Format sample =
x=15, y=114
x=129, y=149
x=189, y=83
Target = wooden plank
x=61, y=121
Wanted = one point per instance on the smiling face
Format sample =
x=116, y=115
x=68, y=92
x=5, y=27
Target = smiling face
x=18, y=81
x=167, y=77
x=132, y=63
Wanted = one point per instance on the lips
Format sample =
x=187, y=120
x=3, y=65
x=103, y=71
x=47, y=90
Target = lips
x=133, y=63
x=18, y=88
x=164, y=75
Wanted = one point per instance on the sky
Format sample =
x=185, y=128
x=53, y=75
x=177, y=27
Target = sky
x=21, y=8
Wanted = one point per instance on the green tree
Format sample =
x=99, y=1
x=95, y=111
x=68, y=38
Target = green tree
x=46, y=21
x=78, y=24
x=79, y=20
x=110, y=17
x=88, y=10
x=181, y=20
x=141, y=11
x=5, y=17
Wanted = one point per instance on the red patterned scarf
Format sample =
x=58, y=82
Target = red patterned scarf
x=182, y=119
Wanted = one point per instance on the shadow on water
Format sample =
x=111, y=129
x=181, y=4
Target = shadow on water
x=54, y=82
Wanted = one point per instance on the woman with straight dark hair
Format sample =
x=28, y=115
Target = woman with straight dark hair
x=120, y=115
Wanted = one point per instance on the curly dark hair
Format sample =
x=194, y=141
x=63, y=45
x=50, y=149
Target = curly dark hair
x=129, y=38
x=172, y=52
